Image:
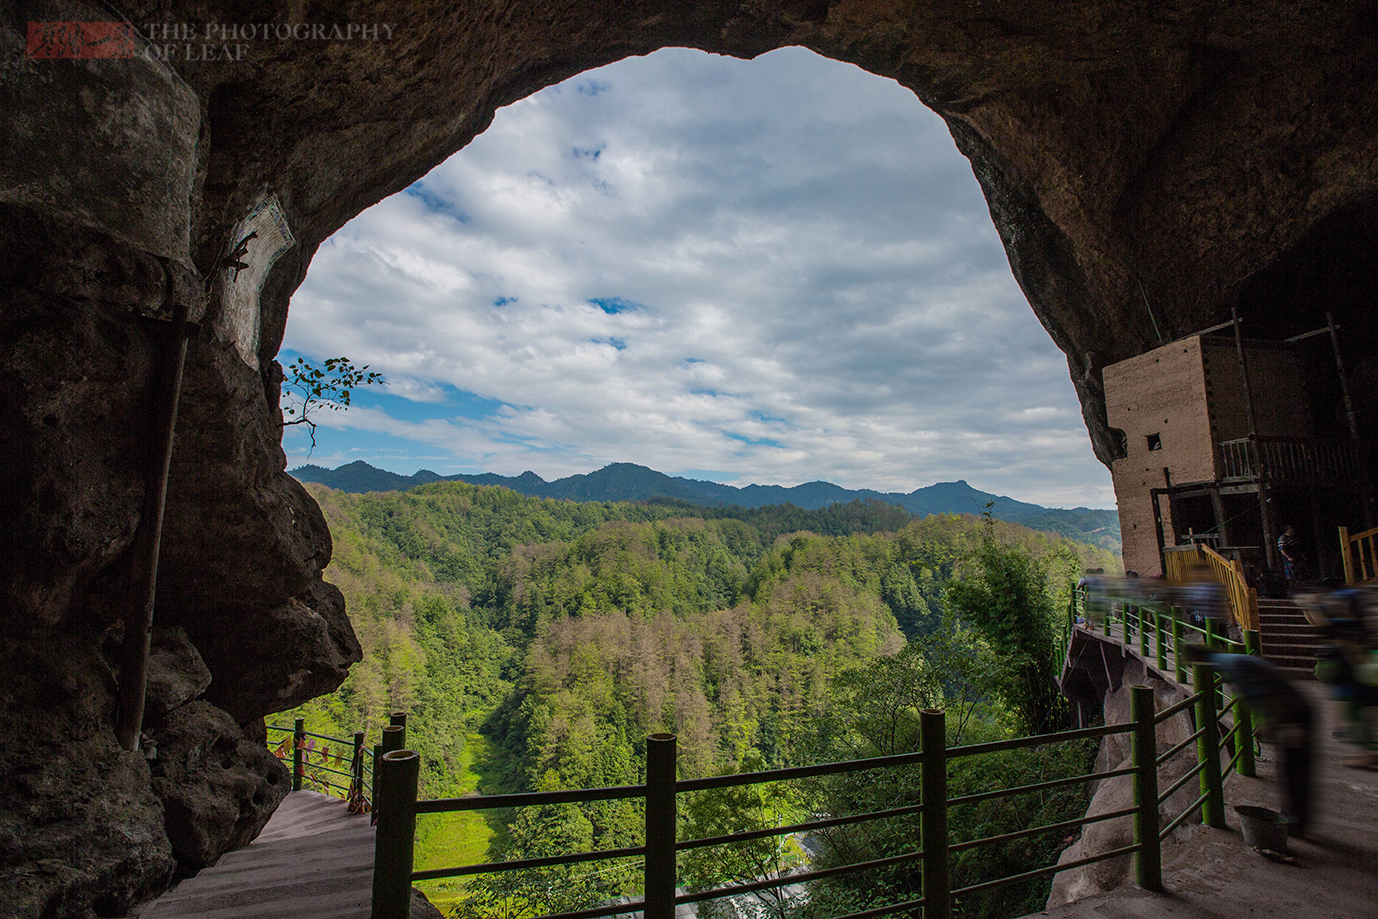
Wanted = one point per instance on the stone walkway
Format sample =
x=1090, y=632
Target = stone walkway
x=313, y=860
x=1211, y=874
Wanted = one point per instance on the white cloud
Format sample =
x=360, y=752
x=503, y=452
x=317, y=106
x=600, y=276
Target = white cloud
x=780, y=269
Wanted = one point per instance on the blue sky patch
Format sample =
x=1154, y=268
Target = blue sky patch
x=753, y=441
x=581, y=153
x=617, y=343
x=614, y=305
x=593, y=87
x=436, y=203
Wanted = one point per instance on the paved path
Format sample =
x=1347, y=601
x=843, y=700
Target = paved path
x=313, y=860
x=1211, y=874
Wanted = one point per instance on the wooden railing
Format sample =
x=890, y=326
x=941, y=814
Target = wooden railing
x=1301, y=460
x=1229, y=574
x=336, y=765
x=1360, y=553
x=398, y=808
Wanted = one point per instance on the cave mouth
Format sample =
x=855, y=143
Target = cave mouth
x=1328, y=274
x=698, y=264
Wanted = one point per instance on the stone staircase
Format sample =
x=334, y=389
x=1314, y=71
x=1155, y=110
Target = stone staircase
x=1288, y=639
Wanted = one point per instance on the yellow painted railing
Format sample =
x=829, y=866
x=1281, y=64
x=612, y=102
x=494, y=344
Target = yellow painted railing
x=1360, y=553
x=1230, y=575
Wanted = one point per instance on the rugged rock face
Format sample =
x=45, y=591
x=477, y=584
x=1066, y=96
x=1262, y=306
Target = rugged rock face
x=218, y=787
x=1148, y=167
x=1118, y=793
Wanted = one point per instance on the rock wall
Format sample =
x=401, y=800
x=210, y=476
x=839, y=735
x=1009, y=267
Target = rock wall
x=1118, y=793
x=1147, y=166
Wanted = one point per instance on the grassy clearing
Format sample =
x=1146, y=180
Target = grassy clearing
x=450, y=840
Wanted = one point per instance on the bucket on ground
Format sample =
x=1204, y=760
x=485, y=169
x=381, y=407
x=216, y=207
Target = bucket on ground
x=1264, y=828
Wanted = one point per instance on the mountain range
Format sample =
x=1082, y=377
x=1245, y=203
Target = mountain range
x=630, y=482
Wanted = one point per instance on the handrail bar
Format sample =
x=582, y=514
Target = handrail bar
x=1038, y=740
x=1178, y=706
x=1182, y=780
x=529, y=799
x=748, y=835
x=1020, y=834
x=324, y=768
x=800, y=772
x=718, y=893
x=342, y=740
x=598, y=912
x=521, y=864
x=885, y=910
x=1051, y=869
x=1181, y=818
x=1179, y=748
x=1039, y=786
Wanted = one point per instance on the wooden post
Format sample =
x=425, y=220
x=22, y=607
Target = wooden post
x=1148, y=860
x=396, y=834
x=1143, y=632
x=1345, y=554
x=933, y=824
x=660, y=827
x=138, y=626
x=394, y=738
x=298, y=751
x=1208, y=747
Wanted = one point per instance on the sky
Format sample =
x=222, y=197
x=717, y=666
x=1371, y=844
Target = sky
x=771, y=271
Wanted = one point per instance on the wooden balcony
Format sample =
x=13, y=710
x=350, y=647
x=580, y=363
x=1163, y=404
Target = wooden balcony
x=1290, y=460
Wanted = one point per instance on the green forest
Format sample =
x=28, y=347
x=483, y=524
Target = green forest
x=534, y=644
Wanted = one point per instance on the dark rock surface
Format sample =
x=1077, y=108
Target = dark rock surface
x=217, y=786
x=1148, y=166
x=80, y=827
x=176, y=673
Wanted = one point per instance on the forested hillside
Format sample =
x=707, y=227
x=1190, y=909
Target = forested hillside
x=630, y=482
x=535, y=643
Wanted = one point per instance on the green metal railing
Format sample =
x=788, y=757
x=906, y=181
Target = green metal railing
x=1162, y=631
x=398, y=809
x=397, y=806
x=359, y=785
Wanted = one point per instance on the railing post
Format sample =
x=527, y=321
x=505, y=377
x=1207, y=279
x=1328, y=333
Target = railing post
x=373, y=792
x=660, y=880
x=1158, y=638
x=1345, y=554
x=396, y=834
x=1105, y=620
x=398, y=719
x=1124, y=626
x=1204, y=681
x=394, y=738
x=1143, y=632
x=1177, y=658
x=356, y=774
x=933, y=823
x=1148, y=860
x=298, y=751
x=1243, y=718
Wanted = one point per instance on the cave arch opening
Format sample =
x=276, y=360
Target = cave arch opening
x=772, y=270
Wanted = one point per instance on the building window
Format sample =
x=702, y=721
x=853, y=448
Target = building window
x=1155, y=441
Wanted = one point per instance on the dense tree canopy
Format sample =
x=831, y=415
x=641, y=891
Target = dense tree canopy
x=536, y=643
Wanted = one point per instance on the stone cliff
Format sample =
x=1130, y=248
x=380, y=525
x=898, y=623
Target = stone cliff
x=1148, y=166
